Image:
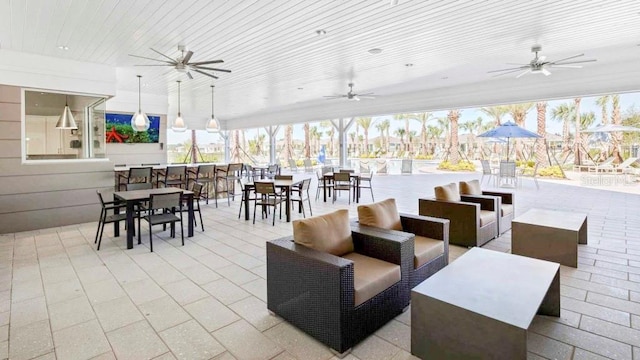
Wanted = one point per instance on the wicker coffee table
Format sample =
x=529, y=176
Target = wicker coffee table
x=481, y=305
x=549, y=235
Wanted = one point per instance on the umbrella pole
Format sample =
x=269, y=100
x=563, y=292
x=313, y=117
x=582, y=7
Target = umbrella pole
x=508, y=140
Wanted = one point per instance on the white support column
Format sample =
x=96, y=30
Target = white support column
x=272, y=131
x=343, y=126
x=225, y=136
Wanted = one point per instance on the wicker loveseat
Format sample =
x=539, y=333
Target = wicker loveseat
x=318, y=292
x=474, y=219
x=431, y=246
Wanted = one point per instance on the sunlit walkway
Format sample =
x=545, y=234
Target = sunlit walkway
x=61, y=298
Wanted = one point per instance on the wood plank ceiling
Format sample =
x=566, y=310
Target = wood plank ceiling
x=279, y=62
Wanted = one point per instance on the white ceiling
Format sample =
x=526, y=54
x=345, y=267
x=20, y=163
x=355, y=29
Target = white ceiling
x=273, y=50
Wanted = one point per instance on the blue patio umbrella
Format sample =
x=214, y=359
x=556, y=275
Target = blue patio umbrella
x=509, y=130
x=322, y=155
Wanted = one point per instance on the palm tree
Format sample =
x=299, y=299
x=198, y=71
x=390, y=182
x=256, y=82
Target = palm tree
x=315, y=138
x=406, y=118
x=496, y=112
x=365, y=123
x=331, y=132
x=444, y=124
x=603, y=102
x=434, y=134
x=307, y=141
x=384, y=126
x=235, y=147
x=519, y=113
x=468, y=126
x=541, y=144
x=380, y=128
x=352, y=143
x=422, y=118
x=400, y=132
x=288, y=142
x=564, y=113
x=616, y=120
x=453, y=116
x=577, y=141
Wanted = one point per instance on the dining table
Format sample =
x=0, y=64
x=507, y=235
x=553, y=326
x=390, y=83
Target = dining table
x=327, y=178
x=131, y=198
x=284, y=185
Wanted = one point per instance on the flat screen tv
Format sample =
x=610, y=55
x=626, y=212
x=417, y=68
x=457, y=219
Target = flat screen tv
x=118, y=129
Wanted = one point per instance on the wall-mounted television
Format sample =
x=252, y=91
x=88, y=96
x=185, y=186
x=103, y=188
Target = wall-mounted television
x=118, y=129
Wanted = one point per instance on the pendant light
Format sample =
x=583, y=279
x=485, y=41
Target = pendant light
x=140, y=121
x=66, y=120
x=213, y=126
x=178, y=124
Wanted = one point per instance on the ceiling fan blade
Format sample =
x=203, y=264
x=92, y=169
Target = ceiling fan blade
x=189, y=75
x=510, y=69
x=334, y=96
x=517, y=64
x=207, y=62
x=204, y=73
x=158, y=52
x=523, y=73
x=187, y=57
x=369, y=93
x=155, y=65
x=508, y=72
x=566, y=66
x=567, y=58
x=574, y=62
x=148, y=58
x=545, y=72
x=208, y=68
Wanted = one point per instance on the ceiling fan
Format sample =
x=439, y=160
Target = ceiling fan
x=539, y=66
x=183, y=65
x=351, y=95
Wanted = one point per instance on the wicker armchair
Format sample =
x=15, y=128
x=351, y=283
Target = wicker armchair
x=473, y=219
x=506, y=202
x=314, y=290
x=431, y=246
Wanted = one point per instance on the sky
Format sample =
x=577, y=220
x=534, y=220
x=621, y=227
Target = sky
x=588, y=104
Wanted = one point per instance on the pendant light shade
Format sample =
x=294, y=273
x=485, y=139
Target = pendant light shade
x=66, y=120
x=213, y=126
x=179, y=125
x=140, y=120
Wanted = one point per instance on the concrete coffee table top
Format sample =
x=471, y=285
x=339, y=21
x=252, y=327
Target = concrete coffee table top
x=552, y=218
x=505, y=287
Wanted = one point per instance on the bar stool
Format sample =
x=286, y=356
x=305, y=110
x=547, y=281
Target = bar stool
x=136, y=175
x=175, y=176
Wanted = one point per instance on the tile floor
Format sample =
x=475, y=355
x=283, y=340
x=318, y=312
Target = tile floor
x=61, y=299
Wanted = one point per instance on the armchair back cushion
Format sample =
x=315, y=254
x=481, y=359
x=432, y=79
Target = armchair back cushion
x=328, y=233
x=470, y=187
x=383, y=214
x=447, y=192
